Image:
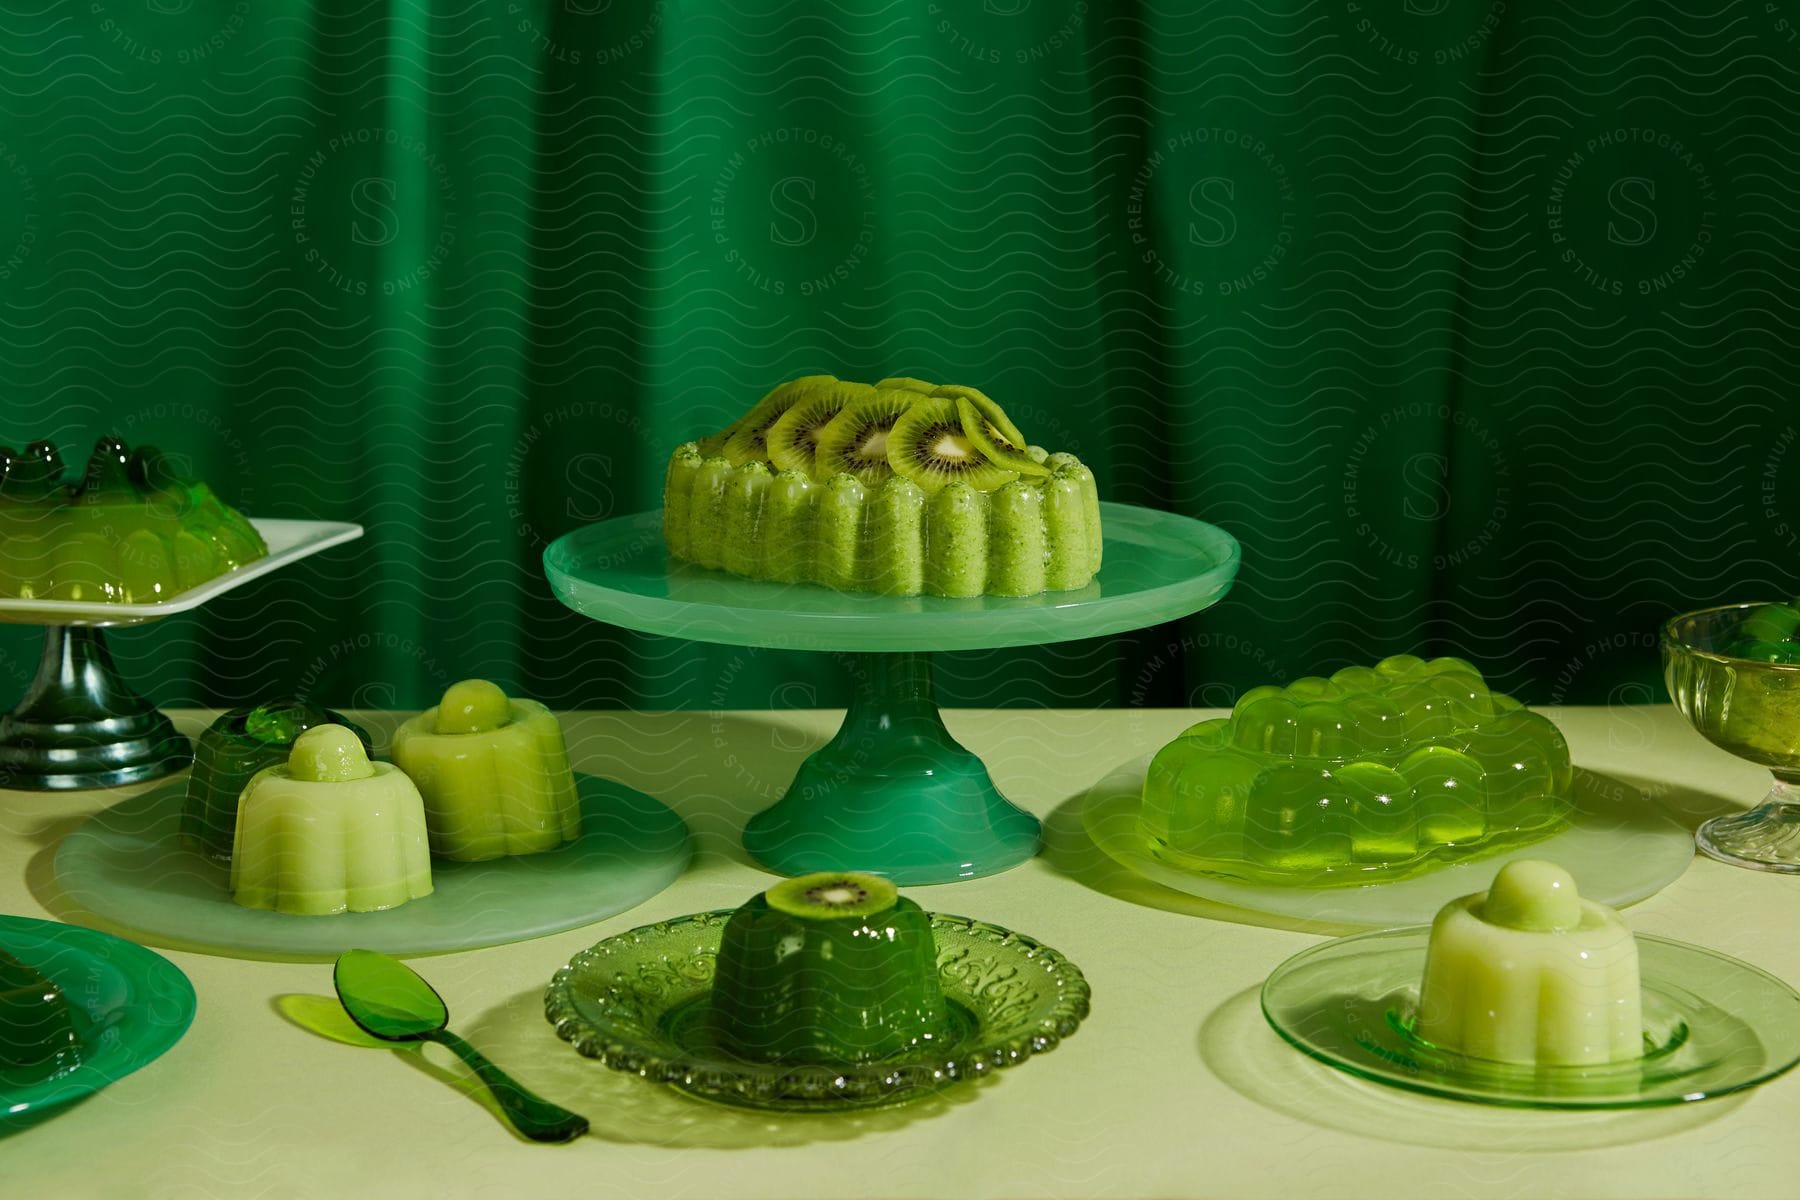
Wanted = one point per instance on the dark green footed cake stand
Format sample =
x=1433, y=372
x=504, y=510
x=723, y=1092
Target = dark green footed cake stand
x=893, y=792
x=81, y=725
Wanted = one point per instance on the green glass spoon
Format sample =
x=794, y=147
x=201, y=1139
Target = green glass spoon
x=388, y=1000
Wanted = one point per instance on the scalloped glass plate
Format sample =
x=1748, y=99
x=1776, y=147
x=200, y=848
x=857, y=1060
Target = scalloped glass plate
x=631, y=1000
x=1712, y=1026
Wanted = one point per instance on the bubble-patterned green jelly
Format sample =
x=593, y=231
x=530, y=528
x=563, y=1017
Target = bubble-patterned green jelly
x=131, y=531
x=833, y=967
x=1375, y=773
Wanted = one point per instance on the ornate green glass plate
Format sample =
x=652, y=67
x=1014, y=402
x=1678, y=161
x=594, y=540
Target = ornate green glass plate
x=130, y=1005
x=128, y=865
x=1712, y=1026
x=1158, y=566
x=631, y=1002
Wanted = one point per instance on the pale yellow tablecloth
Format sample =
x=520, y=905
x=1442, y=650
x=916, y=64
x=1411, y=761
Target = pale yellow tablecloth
x=1173, y=1088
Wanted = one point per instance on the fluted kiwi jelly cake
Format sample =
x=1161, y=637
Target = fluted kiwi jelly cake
x=328, y=831
x=826, y=968
x=131, y=530
x=494, y=773
x=899, y=487
x=1375, y=773
x=1528, y=972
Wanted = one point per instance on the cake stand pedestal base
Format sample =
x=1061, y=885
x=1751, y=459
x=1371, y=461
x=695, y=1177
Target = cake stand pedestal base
x=893, y=792
x=82, y=726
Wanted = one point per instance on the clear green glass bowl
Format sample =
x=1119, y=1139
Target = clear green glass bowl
x=631, y=1002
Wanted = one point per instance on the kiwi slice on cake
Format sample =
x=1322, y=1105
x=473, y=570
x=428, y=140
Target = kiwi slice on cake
x=908, y=383
x=991, y=440
x=930, y=447
x=793, y=440
x=746, y=443
x=987, y=408
x=856, y=441
x=831, y=894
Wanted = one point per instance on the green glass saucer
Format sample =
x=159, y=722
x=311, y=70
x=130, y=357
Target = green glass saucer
x=636, y=1001
x=130, y=1005
x=1607, y=816
x=1712, y=1026
x=893, y=792
x=130, y=865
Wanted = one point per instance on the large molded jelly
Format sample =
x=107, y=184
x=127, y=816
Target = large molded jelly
x=38, y=1040
x=131, y=531
x=1374, y=773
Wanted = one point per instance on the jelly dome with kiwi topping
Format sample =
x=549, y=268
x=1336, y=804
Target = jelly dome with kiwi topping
x=328, y=831
x=130, y=531
x=897, y=487
x=1373, y=773
x=494, y=772
x=832, y=967
x=1529, y=972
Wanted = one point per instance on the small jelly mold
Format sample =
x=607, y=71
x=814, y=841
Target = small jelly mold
x=1025, y=537
x=230, y=752
x=328, y=831
x=1375, y=773
x=494, y=772
x=1528, y=972
x=130, y=531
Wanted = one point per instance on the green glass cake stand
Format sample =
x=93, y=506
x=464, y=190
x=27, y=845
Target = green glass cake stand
x=893, y=792
x=81, y=725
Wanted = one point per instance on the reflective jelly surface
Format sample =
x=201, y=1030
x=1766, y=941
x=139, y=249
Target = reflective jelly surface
x=1375, y=773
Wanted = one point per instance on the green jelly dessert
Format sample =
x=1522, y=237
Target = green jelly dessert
x=834, y=967
x=494, y=773
x=328, y=831
x=234, y=748
x=130, y=531
x=1770, y=634
x=38, y=1041
x=1375, y=773
x=1529, y=972
x=901, y=487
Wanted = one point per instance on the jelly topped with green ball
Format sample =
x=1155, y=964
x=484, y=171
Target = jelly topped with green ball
x=833, y=967
x=131, y=530
x=899, y=487
x=1375, y=773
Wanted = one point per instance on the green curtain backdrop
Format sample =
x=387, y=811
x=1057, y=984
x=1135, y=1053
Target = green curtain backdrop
x=1473, y=319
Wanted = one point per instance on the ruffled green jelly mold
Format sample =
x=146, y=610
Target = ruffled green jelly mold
x=234, y=748
x=833, y=967
x=1029, y=536
x=1375, y=773
x=130, y=531
x=38, y=1040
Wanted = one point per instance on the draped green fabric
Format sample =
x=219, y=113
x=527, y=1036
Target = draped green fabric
x=1472, y=319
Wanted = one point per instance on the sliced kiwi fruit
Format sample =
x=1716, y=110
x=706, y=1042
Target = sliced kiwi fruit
x=793, y=440
x=746, y=444
x=856, y=441
x=832, y=894
x=908, y=383
x=993, y=443
x=987, y=408
x=929, y=447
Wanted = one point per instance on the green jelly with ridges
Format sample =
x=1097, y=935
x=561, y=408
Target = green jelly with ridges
x=234, y=748
x=1373, y=773
x=804, y=984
